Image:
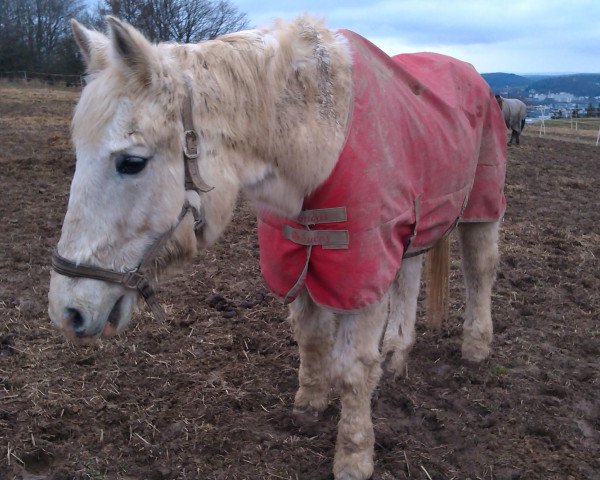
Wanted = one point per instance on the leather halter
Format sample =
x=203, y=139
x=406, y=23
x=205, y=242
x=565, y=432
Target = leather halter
x=140, y=278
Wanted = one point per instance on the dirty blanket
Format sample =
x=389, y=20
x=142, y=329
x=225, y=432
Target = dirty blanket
x=425, y=148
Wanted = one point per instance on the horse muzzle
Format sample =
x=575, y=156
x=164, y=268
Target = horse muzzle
x=87, y=309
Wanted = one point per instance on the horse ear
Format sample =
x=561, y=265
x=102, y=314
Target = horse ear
x=93, y=46
x=132, y=48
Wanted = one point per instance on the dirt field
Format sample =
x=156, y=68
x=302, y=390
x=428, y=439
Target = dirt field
x=208, y=395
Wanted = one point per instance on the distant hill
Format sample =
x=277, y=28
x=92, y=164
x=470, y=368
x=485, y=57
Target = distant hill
x=536, y=77
x=499, y=80
x=580, y=84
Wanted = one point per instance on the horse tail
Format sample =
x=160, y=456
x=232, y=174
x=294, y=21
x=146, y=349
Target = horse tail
x=522, y=124
x=437, y=273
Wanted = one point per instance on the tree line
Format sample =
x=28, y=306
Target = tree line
x=35, y=35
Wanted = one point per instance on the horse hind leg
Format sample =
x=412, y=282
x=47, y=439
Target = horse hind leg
x=479, y=250
x=399, y=334
x=313, y=330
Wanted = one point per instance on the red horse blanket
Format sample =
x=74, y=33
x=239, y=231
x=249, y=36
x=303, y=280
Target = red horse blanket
x=425, y=148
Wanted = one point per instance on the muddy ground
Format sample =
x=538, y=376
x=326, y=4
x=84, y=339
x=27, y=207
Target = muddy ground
x=208, y=394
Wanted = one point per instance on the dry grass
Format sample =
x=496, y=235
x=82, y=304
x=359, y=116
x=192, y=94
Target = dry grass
x=26, y=93
x=35, y=84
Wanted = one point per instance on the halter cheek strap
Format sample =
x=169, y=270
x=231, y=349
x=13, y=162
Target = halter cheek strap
x=193, y=179
x=140, y=279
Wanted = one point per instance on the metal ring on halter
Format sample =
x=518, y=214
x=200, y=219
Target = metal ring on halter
x=190, y=136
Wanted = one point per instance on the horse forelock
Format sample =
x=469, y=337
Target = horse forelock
x=112, y=90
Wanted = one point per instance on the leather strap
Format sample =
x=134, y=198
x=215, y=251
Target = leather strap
x=322, y=215
x=66, y=267
x=328, y=239
x=194, y=180
x=332, y=239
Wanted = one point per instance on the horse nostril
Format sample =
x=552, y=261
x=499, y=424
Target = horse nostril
x=75, y=319
x=115, y=313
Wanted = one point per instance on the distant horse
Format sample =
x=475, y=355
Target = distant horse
x=356, y=163
x=514, y=112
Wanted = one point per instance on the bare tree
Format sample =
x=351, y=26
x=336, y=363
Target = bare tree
x=33, y=32
x=35, y=35
x=179, y=20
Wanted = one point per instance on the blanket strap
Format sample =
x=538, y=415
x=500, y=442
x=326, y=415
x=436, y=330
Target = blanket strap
x=326, y=238
x=322, y=215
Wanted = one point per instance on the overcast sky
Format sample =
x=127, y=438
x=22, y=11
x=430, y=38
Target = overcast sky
x=515, y=36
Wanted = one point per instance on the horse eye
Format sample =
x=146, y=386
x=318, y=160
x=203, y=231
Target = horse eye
x=130, y=165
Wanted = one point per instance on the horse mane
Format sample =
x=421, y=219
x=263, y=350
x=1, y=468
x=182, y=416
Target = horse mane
x=271, y=84
x=110, y=86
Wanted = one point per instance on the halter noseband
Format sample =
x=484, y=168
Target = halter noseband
x=139, y=279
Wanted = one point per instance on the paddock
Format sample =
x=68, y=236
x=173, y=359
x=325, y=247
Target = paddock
x=209, y=393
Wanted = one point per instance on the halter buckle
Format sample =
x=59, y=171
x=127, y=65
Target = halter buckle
x=198, y=224
x=135, y=280
x=190, y=145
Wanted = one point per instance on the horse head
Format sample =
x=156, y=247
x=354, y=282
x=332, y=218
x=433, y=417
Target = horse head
x=128, y=196
x=499, y=100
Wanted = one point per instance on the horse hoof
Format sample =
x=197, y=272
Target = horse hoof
x=357, y=467
x=395, y=364
x=349, y=476
x=306, y=416
x=475, y=353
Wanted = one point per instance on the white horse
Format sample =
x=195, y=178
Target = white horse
x=267, y=112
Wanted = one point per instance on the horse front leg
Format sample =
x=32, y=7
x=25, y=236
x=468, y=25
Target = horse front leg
x=479, y=251
x=313, y=330
x=514, y=137
x=356, y=369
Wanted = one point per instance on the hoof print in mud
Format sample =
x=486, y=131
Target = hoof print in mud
x=220, y=304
